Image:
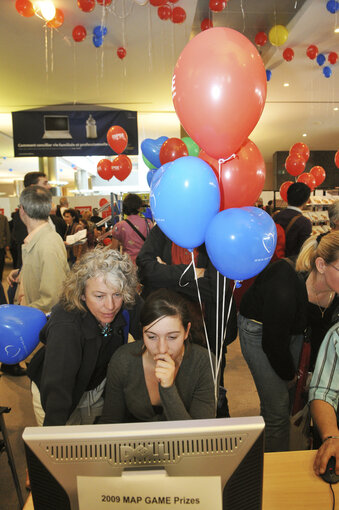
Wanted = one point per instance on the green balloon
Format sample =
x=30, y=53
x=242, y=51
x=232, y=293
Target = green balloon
x=147, y=163
x=192, y=147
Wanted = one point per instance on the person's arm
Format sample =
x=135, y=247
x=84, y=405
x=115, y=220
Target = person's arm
x=326, y=421
x=115, y=410
x=7, y=233
x=62, y=361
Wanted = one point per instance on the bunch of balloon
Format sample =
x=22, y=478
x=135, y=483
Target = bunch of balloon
x=278, y=35
x=319, y=174
x=19, y=332
x=104, y=169
x=86, y=5
x=241, y=178
x=150, y=149
x=99, y=33
x=117, y=139
x=121, y=167
x=308, y=179
x=25, y=8
x=296, y=160
x=283, y=189
x=58, y=19
x=171, y=149
x=336, y=159
x=79, y=33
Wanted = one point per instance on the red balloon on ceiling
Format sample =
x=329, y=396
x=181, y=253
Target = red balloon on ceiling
x=25, y=8
x=319, y=174
x=157, y=3
x=86, y=5
x=79, y=33
x=165, y=12
x=332, y=57
x=283, y=189
x=106, y=3
x=260, y=39
x=104, y=168
x=302, y=149
x=122, y=167
x=312, y=51
x=308, y=179
x=121, y=52
x=295, y=164
x=171, y=149
x=336, y=159
x=288, y=54
x=173, y=1
x=217, y=5
x=58, y=19
x=206, y=24
x=178, y=15
x=117, y=139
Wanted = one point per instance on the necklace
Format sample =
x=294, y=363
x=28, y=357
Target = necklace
x=322, y=308
x=105, y=330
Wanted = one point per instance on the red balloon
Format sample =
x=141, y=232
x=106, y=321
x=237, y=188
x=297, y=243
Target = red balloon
x=157, y=3
x=164, y=12
x=171, y=149
x=308, y=179
x=58, y=19
x=173, y=1
x=312, y=51
x=242, y=178
x=302, y=149
x=260, y=39
x=106, y=3
x=25, y=8
x=103, y=201
x=336, y=159
x=288, y=54
x=104, y=168
x=217, y=5
x=332, y=57
x=117, y=139
x=219, y=90
x=206, y=24
x=319, y=174
x=86, y=5
x=283, y=189
x=295, y=164
x=178, y=15
x=79, y=33
x=122, y=167
x=121, y=52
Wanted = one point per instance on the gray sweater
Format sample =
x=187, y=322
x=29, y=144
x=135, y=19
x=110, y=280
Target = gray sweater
x=126, y=395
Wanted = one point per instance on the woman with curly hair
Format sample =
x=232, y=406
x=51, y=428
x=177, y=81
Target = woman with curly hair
x=97, y=310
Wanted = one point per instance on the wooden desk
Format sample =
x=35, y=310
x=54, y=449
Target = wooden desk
x=289, y=483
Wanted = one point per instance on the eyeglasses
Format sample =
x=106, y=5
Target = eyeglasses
x=336, y=268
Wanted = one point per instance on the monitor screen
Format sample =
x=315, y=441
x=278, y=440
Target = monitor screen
x=215, y=463
x=56, y=123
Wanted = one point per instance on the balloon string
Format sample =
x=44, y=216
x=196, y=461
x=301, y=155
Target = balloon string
x=217, y=325
x=221, y=161
x=205, y=329
x=150, y=59
x=185, y=284
x=227, y=319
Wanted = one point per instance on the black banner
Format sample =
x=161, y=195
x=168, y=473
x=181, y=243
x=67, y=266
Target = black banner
x=44, y=132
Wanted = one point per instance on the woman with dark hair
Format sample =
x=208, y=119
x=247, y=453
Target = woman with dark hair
x=131, y=232
x=167, y=376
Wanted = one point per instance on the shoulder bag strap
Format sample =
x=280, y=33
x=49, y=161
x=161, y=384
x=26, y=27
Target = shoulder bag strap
x=291, y=223
x=136, y=230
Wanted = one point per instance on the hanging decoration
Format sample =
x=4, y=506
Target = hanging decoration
x=58, y=19
x=25, y=8
x=332, y=6
x=336, y=159
x=121, y=52
x=121, y=167
x=312, y=51
x=283, y=189
x=104, y=3
x=86, y=5
x=217, y=5
x=319, y=174
x=308, y=179
x=321, y=59
x=79, y=33
x=178, y=15
x=327, y=71
x=301, y=149
x=278, y=35
x=117, y=139
x=288, y=54
x=332, y=57
x=165, y=12
x=268, y=74
x=206, y=24
x=260, y=39
x=104, y=169
x=295, y=164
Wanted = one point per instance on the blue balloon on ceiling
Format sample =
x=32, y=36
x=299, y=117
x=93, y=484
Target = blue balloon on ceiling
x=327, y=71
x=10, y=169
x=332, y=6
x=321, y=59
x=99, y=31
x=97, y=41
x=268, y=74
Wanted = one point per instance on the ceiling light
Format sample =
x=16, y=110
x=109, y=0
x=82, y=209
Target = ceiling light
x=44, y=9
x=336, y=30
x=335, y=108
x=304, y=134
x=286, y=84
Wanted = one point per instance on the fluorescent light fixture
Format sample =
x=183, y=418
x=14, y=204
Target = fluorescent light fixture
x=44, y=9
x=286, y=84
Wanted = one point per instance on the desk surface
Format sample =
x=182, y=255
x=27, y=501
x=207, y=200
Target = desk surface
x=289, y=483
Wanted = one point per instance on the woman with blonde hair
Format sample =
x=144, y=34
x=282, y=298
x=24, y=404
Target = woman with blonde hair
x=274, y=313
x=97, y=310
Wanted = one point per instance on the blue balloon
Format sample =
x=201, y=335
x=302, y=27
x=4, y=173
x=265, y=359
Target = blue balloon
x=241, y=241
x=332, y=6
x=321, y=59
x=268, y=74
x=19, y=332
x=150, y=175
x=97, y=41
x=327, y=71
x=148, y=214
x=184, y=198
x=99, y=31
x=151, y=148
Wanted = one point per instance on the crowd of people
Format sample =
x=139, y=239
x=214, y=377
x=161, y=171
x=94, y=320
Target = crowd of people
x=129, y=338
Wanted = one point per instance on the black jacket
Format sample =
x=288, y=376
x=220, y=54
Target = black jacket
x=64, y=368
x=154, y=275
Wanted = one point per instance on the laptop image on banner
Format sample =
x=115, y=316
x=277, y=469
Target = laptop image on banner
x=56, y=126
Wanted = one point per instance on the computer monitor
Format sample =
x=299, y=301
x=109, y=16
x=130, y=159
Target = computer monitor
x=215, y=463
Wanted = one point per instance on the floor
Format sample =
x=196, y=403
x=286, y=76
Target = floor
x=15, y=394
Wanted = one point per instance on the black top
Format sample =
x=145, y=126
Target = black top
x=154, y=275
x=298, y=233
x=75, y=358
x=278, y=298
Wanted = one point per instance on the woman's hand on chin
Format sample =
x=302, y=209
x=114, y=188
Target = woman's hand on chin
x=164, y=369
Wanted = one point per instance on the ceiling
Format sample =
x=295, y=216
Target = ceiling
x=43, y=67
